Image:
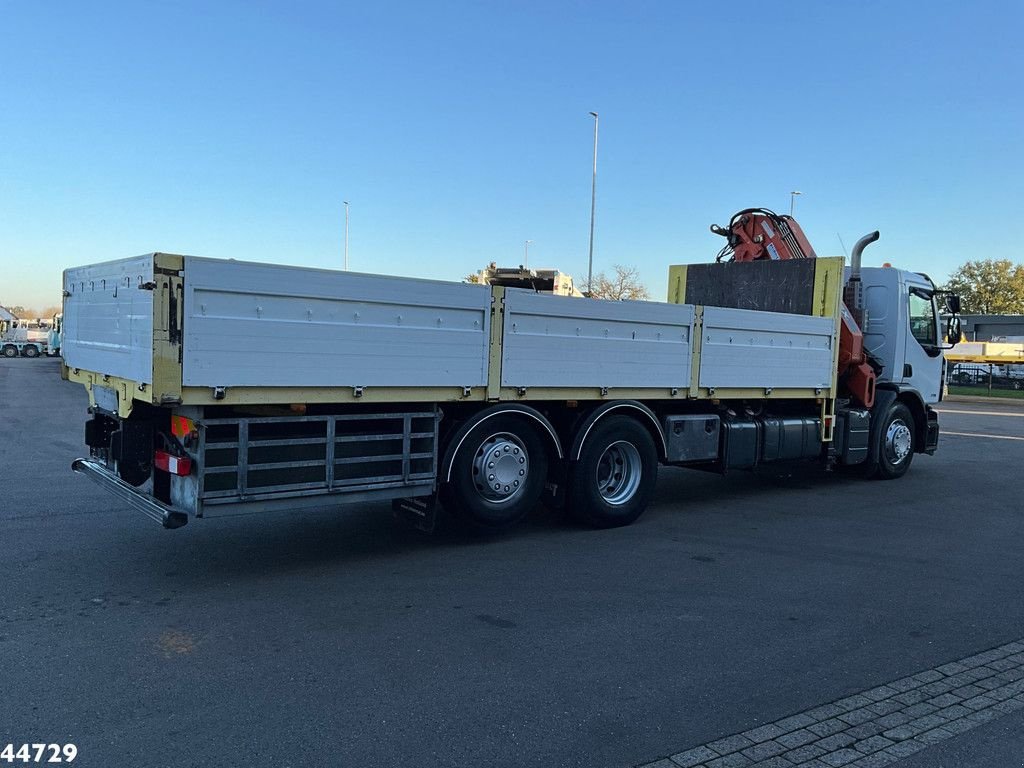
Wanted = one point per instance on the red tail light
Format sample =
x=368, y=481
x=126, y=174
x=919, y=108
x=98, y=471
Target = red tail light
x=176, y=465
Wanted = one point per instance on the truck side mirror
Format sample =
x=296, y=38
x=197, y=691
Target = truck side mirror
x=953, y=330
x=953, y=303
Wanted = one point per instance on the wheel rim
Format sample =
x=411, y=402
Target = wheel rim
x=501, y=467
x=618, y=473
x=898, y=441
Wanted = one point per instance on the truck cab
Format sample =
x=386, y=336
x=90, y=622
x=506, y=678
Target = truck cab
x=902, y=330
x=55, y=334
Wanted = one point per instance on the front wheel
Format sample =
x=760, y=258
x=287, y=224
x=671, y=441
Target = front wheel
x=497, y=475
x=612, y=482
x=895, y=443
x=10, y=351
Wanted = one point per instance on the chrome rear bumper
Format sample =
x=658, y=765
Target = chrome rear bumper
x=147, y=505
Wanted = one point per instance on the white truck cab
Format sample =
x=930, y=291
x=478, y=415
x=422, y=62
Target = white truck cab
x=902, y=330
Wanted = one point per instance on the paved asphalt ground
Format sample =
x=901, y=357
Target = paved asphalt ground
x=343, y=638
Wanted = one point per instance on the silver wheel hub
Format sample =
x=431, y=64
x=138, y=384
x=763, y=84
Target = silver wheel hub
x=618, y=473
x=898, y=441
x=501, y=467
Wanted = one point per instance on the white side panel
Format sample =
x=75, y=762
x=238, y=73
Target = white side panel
x=884, y=332
x=266, y=325
x=108, y=318
x=560, y=341
x=747, y=348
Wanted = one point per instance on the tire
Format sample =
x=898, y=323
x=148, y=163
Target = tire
x=896, y=443
x=31, y=351
x=612, y=482
x=498, y=474
x=10, y=351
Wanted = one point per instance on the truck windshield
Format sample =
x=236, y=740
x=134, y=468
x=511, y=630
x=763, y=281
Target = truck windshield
x=922, y=318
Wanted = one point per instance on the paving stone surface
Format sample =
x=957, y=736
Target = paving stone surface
x=879, y=726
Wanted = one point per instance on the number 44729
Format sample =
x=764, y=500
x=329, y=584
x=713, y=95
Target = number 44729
x=39, y=753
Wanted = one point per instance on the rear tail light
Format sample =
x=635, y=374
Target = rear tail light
x=176, y=465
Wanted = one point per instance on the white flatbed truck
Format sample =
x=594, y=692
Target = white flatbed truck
x=16, y=342
x=486, y=397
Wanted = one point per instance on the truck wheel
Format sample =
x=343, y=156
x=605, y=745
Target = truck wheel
x=497, y=474
x=613, y=480
x=31, y=351
x=10, y=351
x=895, y=443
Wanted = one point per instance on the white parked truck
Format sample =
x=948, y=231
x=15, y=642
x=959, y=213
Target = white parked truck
x=485, y=397
x=16, y=340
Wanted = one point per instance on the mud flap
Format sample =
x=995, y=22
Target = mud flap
x=931, y=442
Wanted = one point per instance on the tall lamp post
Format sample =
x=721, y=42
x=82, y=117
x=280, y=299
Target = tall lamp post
x=346, y=235
x=593, y=208
x=792, y=200
x=526, y=253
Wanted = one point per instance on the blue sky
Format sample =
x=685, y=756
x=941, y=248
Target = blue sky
x=459, y=130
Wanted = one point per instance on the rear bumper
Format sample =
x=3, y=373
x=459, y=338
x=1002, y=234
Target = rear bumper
x=147, y=505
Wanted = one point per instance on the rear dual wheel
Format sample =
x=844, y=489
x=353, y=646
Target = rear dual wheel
x=613, y=480
x=31, y=351
x=500, y=468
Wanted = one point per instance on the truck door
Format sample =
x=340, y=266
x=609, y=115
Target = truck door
x=922, y=365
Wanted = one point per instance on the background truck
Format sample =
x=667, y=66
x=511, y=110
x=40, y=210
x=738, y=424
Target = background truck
x=491, y=397
x=54, y=334
x=539, y=280
x=16, y=339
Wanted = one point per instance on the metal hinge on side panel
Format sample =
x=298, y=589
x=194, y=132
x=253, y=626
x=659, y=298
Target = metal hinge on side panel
x=494, y=347
x=150, y=286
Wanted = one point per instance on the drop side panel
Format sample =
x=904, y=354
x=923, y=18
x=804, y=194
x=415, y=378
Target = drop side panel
x=108, y=318
x=559, y=341
x=264, y=325
x=745, y=348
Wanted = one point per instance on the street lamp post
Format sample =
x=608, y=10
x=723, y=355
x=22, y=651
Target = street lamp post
x=792, y=201
x=526, y=253
x=346, y=235
x=593, y=208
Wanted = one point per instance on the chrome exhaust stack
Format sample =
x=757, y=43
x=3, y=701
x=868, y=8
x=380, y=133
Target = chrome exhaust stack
x=853, y=295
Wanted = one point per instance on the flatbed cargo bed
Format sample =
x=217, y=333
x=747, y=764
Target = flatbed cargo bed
x=164, y=329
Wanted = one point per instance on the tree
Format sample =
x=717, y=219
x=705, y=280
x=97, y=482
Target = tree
x=989, y=287
x=623, y=284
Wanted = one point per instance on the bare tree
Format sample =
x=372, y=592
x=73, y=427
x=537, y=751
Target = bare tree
x=624, y=283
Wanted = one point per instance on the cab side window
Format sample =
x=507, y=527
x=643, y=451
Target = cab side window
x=922, y=318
